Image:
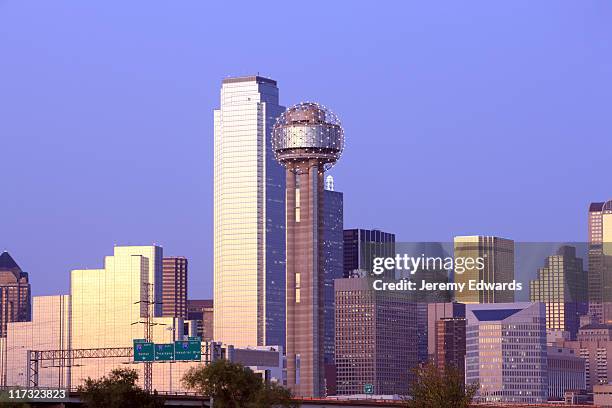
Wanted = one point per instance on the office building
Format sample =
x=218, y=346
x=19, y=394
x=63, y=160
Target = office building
x=497, y=255
x=506, y=352
x=566, y=372
x=600, y=262
x=174, y=287
x=361, y=246
x=426, y=274
x=112, y=306
x=49, y=329
x=562, y=286
x=450, y=344
x=375, y=338
x=15, y=293
x=107, y=309
x=95, y=326
x=439, y=311
x=105, y=302
x=333, y=220
x=602, y=395
x=266, y=361
x=307, y=140
x=201, y=311
x=249, y=216
x=594, y=345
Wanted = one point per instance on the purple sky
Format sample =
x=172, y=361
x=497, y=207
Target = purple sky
x=461, y=118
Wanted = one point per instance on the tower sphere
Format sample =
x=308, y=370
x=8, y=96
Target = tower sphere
x=308, y=131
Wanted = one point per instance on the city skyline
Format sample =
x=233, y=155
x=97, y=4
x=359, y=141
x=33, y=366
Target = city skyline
x=69, y=152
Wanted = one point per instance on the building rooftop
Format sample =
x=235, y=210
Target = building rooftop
x=595, y=326
x=250, y=78
x=7, y=262
x=200, y=303
x=494, y=315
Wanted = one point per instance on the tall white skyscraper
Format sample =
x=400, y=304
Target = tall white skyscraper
x=249, y=216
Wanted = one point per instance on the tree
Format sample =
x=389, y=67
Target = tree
x=235, y=386
x=117, y=390
x=432, y=388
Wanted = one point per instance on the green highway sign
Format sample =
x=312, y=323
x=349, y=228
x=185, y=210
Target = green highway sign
x=164, y=352
x=188, y=350
x=143, y=350
x=368, y=388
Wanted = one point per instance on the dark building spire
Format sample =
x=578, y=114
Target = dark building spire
x=7, y=262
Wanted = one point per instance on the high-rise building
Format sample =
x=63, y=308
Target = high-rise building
x=107, y=310
x=450, y=344
x=361, y=246
x=49, y=329
x=333, y=220
x=202, y=312
x=15, y=303
x=105, y=302
x=112, y=306
x=594, y=345
x=439, y=311
x=566, y=371
x=497, y=256
x=429, y=275
x=307, y=140
x=375, y=338
x=249, y=216
x=174, y=287
x=562, y=286
x=600, y=262
x=506, y=352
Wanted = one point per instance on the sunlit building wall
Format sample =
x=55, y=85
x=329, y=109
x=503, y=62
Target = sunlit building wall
x=105, y=302
x=109, y=309
x=498, y=257
x=48, y=330
x=249, y=216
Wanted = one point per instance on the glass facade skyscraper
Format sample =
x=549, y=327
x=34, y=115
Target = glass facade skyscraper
x=249, y=216
x=15, y=303
x=332, y=269
x=498, y=257
x=561, y=285
x=600, y=262
x=361, y=246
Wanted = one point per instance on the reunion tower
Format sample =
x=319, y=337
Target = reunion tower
x=308, y=140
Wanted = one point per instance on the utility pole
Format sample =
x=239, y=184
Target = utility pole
x=148, y=333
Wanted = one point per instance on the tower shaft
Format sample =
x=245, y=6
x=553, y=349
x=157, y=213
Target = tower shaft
x=305, y=277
